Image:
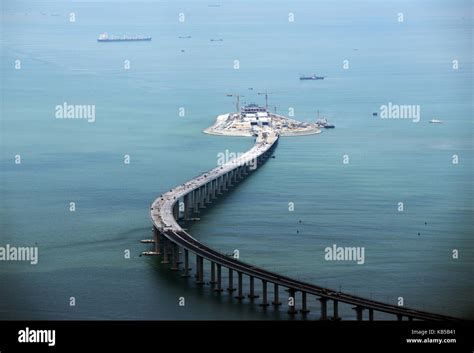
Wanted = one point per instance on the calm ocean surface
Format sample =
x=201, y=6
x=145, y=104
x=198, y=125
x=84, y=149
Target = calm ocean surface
x=81, y=254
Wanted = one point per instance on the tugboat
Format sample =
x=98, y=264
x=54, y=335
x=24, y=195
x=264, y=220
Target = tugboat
x=104, y=37
x=322, y=122
x=313, y=77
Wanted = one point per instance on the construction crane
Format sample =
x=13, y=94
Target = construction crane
x=237, y=102
x=266, y=93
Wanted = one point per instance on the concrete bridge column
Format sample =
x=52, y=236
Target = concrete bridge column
x=224, y=182
x=175, y=255
x=335, y=307
x=231, y=281
x=187, y=204
x=209, y=191
x=165, y=259
x=371, y=314
x=229, y=179
x=219, y=185
x=240, y=295
x=202, y=197
x=324, y=308
x=399, y=317
x=276, y=292
x=214, y=189
x=304, y=310
x=199, y=270
x=264, y=294
x=213, y=274
x=234, y=175
x=359, y=311
x=196, y=200
x=186, y=264
x=252, y=294
x=176, y=210
x=218, y=288
x=291, y=303
x=156, y=238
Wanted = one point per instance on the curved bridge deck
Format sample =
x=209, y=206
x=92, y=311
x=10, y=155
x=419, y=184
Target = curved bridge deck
x=187, y=200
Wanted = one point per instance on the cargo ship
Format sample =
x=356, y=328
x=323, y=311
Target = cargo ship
x=312, y=77
x=104, y=37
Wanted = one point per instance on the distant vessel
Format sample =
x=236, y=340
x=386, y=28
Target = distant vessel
x=104, y=37
x=313, y=77
x=184, y=37
x=216, y=40
x=435, y=121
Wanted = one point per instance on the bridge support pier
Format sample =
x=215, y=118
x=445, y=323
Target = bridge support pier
x=324, y=308
x=359, y=311
x=240, y=295
x=228, y=180
x=156, y=238
x=291, y=302
x=231, y=281
x=213, y=274
x=276, y=295
x=195, y=198
x=214, y=189
x=165, y=259
x=186, y=264
x=371, y=314
x=399, y=317
x=175, y=256
x=187, y=205
x=224, y=182
x=304, y=310
x=252, y=294
x=218, y=288
x=208, y=192
x=199, y=270
x=264, y=294
x=335, y=307
x=176, y=210
x=202, y=196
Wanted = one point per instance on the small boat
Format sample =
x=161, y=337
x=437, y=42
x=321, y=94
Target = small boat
x=216, y=40
x=435, y=121
x=104, y=37
x=312, y=77
x=322, y=122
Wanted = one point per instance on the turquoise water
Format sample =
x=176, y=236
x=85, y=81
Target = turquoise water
x=82, y=252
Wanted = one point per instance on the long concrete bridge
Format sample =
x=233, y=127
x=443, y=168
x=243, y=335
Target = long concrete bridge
x=185, y=202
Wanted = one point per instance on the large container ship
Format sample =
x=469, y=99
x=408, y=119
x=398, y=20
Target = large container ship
x=104, y=37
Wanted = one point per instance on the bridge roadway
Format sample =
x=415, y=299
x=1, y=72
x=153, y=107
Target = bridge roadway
x=196, y=193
